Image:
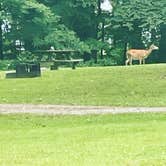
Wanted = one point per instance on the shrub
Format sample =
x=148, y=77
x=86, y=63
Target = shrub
x=100, y=62
x=8, y=64
x=117, y=55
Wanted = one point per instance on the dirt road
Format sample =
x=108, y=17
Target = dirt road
x=73, y=110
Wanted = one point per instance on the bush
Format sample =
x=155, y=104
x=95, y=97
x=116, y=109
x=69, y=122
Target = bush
x=8, y=64
x=100, y=62
x=27, y=56
x=117, y=55
x=106, y=62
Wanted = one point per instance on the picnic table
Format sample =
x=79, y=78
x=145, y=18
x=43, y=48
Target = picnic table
x=25, y=70
x=58, y=62
x=28, y=69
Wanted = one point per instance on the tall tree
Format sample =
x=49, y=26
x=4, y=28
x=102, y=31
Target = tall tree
x=34, y=24
x=162, y=51
x=82, y=16
x=133, y=17
x=1, y=41
x=1, y=33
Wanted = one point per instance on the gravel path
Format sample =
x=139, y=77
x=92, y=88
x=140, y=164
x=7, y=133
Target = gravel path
x=73, y=110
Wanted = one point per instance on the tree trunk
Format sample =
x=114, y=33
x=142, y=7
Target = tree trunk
x=29, y=45
x=97, y=27
x=1, y=35
x=1, y=41
x=124, y=54
x=94, y=55
x=102, y=38
x=162, y=50
x=98, y=17
x=136, y=41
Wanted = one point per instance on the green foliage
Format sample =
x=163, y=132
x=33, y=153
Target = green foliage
x=7, y=64
x=37, y=26
x=133, y=20
x=77, y=15
x=147, y=14
x=78, y=25
x=117, y=55
x=36, y=20
x=101, y=62
x=27, y=20
x=94, y=44
x=26, y=56
x=63, y=38
x=4, y=65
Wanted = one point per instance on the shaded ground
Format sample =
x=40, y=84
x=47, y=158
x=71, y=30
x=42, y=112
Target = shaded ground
x=73, y=110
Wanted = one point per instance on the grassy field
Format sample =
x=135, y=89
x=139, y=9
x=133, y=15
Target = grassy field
x=118, y=86
x=118, y=140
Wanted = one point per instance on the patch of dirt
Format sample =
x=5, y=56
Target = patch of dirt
x=163, y=77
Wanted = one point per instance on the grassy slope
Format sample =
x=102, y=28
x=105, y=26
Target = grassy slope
x=118, y=140
x=118, y=86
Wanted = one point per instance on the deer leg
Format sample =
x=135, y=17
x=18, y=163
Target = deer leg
x=130, y=61
x=140, y=61
x=143, y=61
x=127, y=61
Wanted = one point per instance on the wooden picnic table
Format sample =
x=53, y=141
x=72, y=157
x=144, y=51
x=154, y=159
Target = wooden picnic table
x=25, y=70
x=58, y=62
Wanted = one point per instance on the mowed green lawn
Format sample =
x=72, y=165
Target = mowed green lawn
x=112, y=86
x=117, y=140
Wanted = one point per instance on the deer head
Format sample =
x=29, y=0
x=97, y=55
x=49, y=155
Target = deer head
x=153, y=47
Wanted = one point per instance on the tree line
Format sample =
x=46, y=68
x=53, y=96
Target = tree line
x=84, y=26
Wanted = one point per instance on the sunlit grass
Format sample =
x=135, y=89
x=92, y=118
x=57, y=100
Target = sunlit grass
x=118, y=86
x=118, y=140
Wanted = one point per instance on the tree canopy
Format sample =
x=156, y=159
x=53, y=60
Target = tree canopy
x=82, y=25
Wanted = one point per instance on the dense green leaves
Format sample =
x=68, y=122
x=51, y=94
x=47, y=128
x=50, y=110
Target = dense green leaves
x=133, y=21
x=35, y=25
x=81, y=25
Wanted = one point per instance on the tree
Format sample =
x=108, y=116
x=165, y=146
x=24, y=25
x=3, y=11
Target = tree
x=78, y=16
x=28, y=20
x=83, y=17
x=1, y=40
x=162, y=51
x=34, y=24
x=133, y=17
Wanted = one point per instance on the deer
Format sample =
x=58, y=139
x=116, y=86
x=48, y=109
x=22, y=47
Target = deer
x=139, y=54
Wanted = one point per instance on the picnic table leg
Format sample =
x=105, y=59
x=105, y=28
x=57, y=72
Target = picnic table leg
x=74, y=65
x=54, y=66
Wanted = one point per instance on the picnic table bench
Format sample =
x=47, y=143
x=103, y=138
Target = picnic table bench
x=25, y=70
x=57, y=63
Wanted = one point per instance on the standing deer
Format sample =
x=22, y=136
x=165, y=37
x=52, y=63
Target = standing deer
x=141, y=55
